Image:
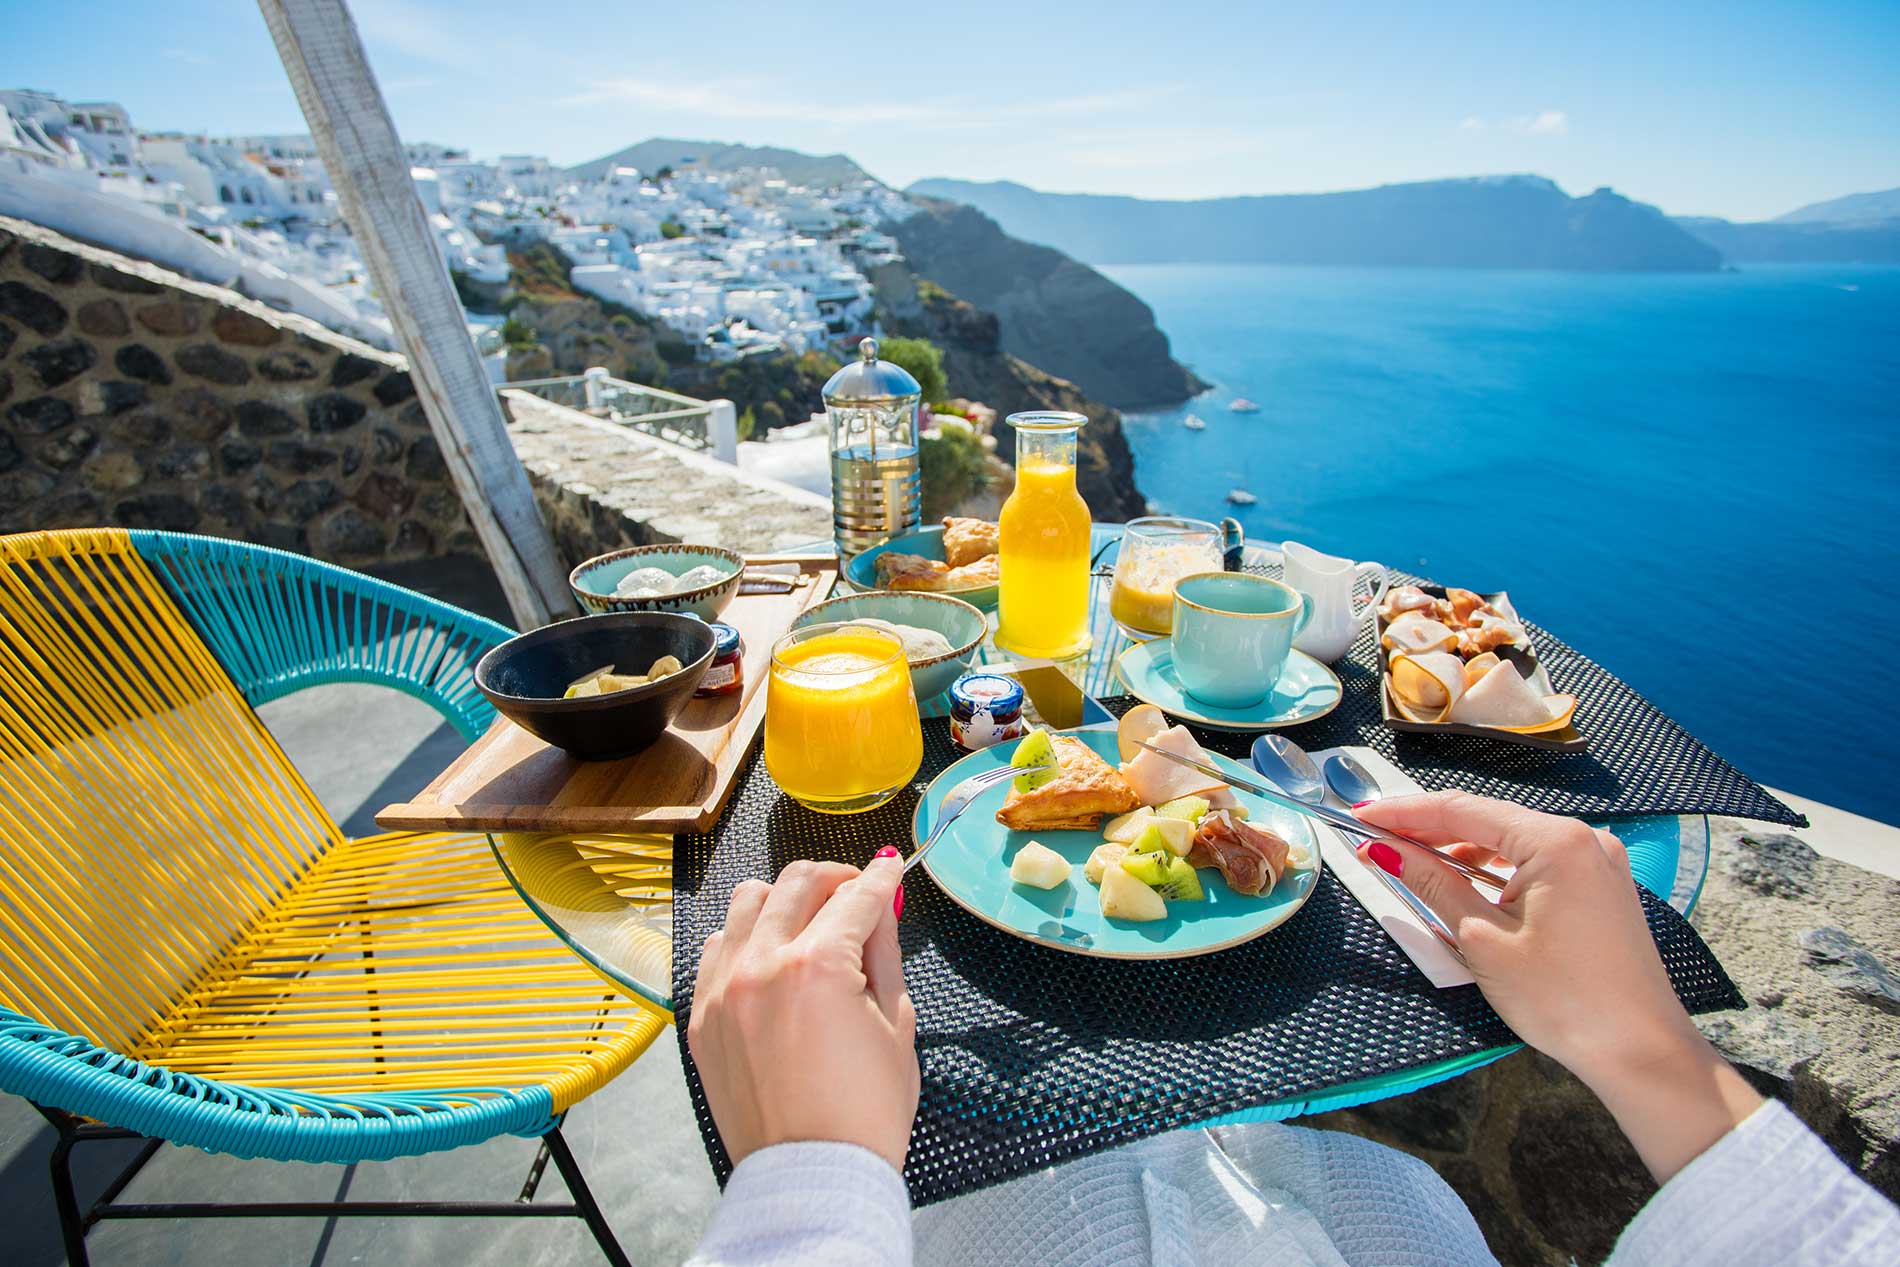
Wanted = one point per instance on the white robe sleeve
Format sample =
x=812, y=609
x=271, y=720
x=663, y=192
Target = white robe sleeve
x=810, y=1205
x=1767, y=1194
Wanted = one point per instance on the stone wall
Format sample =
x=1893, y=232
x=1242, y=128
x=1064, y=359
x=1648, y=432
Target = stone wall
x=1813, y=945
x=602, y=487
x=132, y=396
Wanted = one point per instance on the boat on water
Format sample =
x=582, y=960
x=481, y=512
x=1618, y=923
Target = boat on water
x=1194, y=422
x=1241, y=405
x=1241, y=497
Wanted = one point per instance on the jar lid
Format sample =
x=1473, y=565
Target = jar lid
x=992, y=691
x=725, y=640
x=1047, y=420
x=868, y=380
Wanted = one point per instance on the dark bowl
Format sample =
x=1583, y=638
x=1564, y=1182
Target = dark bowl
x=524, y=678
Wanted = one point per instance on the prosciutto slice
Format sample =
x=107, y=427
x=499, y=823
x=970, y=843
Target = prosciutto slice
x=1249, y=858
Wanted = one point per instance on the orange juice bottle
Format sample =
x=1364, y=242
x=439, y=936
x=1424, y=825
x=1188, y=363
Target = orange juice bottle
x=841, y=729
x=1043, y=602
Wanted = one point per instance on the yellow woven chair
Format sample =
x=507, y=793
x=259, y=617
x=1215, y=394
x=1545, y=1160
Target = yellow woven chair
x=190, y=949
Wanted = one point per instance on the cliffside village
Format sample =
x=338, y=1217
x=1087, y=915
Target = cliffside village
x=737, y=263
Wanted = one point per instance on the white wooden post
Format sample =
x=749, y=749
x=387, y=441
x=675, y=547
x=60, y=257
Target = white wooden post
x=722, y=428
x=365, y=161
x=594, y=383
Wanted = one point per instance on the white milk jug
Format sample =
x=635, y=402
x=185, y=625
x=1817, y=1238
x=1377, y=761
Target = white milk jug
x=1328, y=581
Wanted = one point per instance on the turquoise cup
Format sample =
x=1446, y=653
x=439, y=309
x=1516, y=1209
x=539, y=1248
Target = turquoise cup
x=1232, y=634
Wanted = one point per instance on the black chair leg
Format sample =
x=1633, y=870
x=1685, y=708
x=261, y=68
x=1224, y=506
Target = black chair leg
x=584, y=1198
x=71, y=1226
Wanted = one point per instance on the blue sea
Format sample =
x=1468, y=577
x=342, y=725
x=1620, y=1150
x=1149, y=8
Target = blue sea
x=1694, y=479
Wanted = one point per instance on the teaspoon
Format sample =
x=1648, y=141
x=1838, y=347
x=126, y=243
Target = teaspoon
x=1286, y=765
x=1350, y=781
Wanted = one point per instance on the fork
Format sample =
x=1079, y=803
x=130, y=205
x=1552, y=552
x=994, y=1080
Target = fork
x=955, y=803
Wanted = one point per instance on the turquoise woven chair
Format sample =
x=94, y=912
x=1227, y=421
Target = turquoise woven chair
x=192, y=951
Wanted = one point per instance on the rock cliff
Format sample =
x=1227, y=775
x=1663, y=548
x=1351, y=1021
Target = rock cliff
x=978, y=366
x=1052, y=312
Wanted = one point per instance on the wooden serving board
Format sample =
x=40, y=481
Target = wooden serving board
x=509, y=780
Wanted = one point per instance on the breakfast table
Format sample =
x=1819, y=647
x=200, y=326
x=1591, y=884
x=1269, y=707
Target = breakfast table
x=1031, y=1055
x=607, y=900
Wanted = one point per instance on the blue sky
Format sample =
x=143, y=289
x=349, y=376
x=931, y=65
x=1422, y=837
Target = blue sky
x=1738, y=109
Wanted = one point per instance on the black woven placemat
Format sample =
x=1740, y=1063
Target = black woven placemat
x=1032, y=1056
x=1638, y=762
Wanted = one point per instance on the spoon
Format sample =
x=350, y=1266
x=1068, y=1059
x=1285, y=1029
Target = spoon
x=1350, y=781
x=1286, y=765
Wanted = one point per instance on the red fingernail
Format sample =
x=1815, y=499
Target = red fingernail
x=1385, y=857
x=897, y=903
x=888, y=851
x=1360, y=804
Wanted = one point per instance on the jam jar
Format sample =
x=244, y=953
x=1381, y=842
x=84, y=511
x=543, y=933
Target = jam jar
x=985, y=709
x=726, y=674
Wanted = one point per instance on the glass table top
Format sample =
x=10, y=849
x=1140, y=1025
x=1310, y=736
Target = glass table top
x=610, y=897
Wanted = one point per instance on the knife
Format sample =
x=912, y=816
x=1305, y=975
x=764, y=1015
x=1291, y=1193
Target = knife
x=1324, y=813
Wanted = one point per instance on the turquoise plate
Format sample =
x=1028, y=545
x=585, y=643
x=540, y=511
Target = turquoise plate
x=861, y=572
x=971, y=865
x=1307, y=689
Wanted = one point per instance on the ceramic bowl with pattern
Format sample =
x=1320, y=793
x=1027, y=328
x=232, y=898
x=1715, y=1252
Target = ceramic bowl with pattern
x=961, y=624
x=594, y=581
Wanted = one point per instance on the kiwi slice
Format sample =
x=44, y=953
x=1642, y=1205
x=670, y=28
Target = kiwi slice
x=1150, y=868
x=1036, y=755
x=1181, y=884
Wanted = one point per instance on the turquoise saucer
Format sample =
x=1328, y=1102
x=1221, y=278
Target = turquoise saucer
x=971, y=865
x=1307, y=689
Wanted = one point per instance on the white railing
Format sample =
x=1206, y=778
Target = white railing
x=707, y=425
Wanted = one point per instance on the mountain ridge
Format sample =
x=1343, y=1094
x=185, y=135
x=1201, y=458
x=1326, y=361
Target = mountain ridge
x=822, y=170
x=1517, y=221
x=1854, y=209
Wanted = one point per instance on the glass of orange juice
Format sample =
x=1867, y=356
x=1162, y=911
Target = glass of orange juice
x=1042, y=604
x=841, y=729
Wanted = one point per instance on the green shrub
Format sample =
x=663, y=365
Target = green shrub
x=517, y=333
x=922, y=359
x=672, y=229
x=748, y=424
x=953, y=466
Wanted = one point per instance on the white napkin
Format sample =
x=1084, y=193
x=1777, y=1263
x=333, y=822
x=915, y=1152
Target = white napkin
x=1403, y=927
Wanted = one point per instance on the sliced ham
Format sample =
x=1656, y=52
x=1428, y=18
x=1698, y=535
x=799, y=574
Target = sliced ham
x=1500, y=698
x=1249, y=858
x=1157, y=780
x=1222, y=798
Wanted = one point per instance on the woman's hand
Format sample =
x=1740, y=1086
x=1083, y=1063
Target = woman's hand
x=1567, y=960
x=801, y=1026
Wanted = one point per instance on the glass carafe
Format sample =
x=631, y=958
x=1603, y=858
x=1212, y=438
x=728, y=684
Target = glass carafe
x=1157, y=551
x=1043, y=602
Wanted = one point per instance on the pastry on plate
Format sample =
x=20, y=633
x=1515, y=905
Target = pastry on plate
x=984, y=571
x=910, y=571
x=914, y=572
x=967, y=540
x=1085, y=789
